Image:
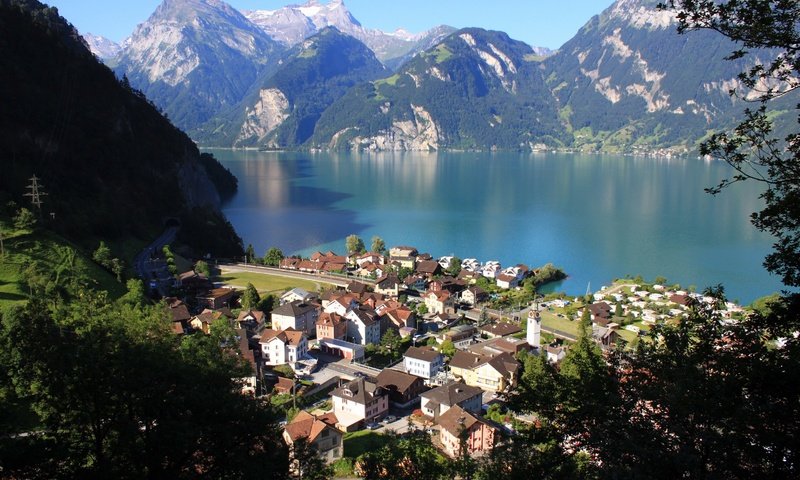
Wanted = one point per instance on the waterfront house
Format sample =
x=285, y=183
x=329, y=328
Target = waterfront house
x=434, y=403
x=461, y=427
x=492, y=373
x=507, y=281
x=428, y=268
x=284, y=346
x=370, y=257
x=357, y=403
x=319, y=431
x=404, y=256
x=296, y=315
x=424, y=362
x=403, y=389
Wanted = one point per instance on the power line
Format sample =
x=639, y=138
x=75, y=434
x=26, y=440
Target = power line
x=36, y=192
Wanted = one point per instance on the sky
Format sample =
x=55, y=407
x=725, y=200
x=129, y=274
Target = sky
x=540, y=23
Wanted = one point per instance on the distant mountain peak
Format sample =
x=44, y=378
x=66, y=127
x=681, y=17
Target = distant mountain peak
x=101, y=46
x=641, y=13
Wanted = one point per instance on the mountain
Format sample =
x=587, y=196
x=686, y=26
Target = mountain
x=477, y=89
x=113, y=168
x=193, y=58
x=283, y=110
x=102, y=46
x=627, y=79
x=294, y=23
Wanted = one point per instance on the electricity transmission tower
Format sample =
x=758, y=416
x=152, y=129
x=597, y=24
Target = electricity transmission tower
x=36, y=193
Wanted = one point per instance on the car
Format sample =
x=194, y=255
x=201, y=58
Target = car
x=390, y=419
x=373, y=426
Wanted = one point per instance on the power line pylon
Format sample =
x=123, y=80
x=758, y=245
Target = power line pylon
x=36, y=193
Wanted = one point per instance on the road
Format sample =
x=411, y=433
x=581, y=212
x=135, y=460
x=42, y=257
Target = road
x=148, y=269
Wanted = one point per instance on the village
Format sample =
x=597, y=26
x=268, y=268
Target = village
x=409, y=342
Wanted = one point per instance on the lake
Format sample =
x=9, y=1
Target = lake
x=598, y=217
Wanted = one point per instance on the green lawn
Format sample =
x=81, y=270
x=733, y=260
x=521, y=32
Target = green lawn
x=267, y=283
x=50, y=252
x=357, y=443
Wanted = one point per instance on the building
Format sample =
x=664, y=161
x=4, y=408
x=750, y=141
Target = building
x=341, y=348
x=439, y=400
x=492, y=373
x=406, y=257
x=423, y=362
x=363, y=326
x=319, y=431
x=534, y=332
x=358, y=402
x=462, y=336
x=500, y=329
x=440, y=302
x=297, y=316
x=403, y=388
x=331, y=325
x=474, y=295
x=388, y=285
x=284, y=346
x=296, y=294
x=461, y=428
x=217, y=298
x=250, y=320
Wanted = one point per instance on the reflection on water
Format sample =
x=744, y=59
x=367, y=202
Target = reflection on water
x=599, y=217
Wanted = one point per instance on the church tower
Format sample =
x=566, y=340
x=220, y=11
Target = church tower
x=534, y=334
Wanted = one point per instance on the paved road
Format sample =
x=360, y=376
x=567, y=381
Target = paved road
x=147, y=269
x=313, y=277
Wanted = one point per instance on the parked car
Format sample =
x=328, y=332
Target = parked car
x=373, y=426
x=390, y=419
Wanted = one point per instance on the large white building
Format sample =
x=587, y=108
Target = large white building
x=359, y=401
x=423, y=362
x=296, y=315
x=285, y=346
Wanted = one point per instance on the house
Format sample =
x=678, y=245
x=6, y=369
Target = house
x=470, y=265
x=194, y=281
x=179, y=314
x=440, y=302
x=388, y=285
x=284, y=346
x=500, y=329
x=500, y=345
x=424, y=362
x=606, y=336
x=217, y=298
x=458, y=427
x=406, y=257
x=244, y=352
x=296, y=294
x=203, y=321
x=371, y=270
x=490, y=269
x=469, y=277
x=395, y=315
x=434, y=403
x=555, y=353
x=474, y=295
x=492, y=373
x=331, y=325
x=357, y=287
x=363, y=326
x=461, y=335
x=290, y=263
x=403, y=389
x=340, y=304
x=250, y=319
x=369, y=257
x=428, y=268
x=358, y=402
x=600, y=310
x=415, y=282
x=296, y=315
x=319, y=431
x=507, y=281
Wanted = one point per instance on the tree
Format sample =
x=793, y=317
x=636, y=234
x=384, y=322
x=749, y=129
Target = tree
x=117, y=268
x=354, y=244
x=250, y=297
x=250, y=253
x=202, y=268
x=618, y=310
x=454, y=268
x=24, y=219
x=752, y=148
x=102, y=256
x=378, y=245
x=273, y=257
x=390, y=343
x=447, y=348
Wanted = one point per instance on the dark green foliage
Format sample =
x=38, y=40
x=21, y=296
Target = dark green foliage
x=410, y=457
x=119, y=396
x=222, y=178
x=24, y=219
x=250, y=297
x=354, y=244
x=109, y=161
x=273, y=257
x=378, y=245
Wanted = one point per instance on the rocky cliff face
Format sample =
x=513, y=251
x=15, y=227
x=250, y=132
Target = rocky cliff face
x=195, y=57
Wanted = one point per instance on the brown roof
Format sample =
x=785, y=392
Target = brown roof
x=306, y=425
x=357, y=287
x=326, y=318
x=506, y=278
x=293, y=309
x=288, y=336
x=452, y=393
x=180, y=313
x=359, y=391
x=284, y=385
x=455, y=419
x=429, y=267
x=427, y=354
x=218, y=293
x=504, y=363
x=400, y=380
x=680, y=299
x=258, y=315
x=501, y=329
x=244, y=349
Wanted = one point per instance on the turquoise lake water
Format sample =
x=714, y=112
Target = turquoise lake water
x=597, y=217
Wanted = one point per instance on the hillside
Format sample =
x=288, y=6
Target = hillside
x=283, y=110
x=112, y=166
x=477, y=89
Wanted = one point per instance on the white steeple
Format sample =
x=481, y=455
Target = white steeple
x=534, y=333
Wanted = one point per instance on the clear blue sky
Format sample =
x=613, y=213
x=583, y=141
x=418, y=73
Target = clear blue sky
x=542, y=23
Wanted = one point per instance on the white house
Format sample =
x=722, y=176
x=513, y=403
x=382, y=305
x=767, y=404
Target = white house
x=359, y=401
x=423, y=362
x=297, y=294
x=297, y=316
x=435, y=402
x=285, y=346
x=363, y=326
